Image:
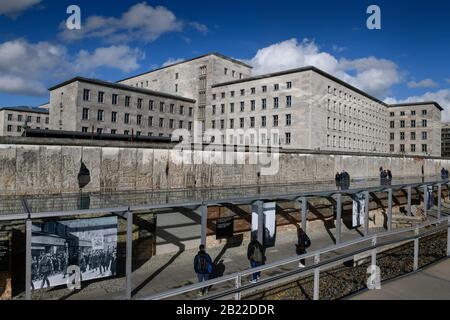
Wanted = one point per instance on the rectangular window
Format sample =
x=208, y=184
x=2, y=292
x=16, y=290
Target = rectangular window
x=85, y=115
x=100, y=115
x=10, y=117
x=392, y=114
x=222, y=108
x=253, y=105
x=288, y=120
x=264, y=88
x=222, y=124
x=231, y=107
x=9, y=128
x=241, y=123
x=402, y=148
x=391, y=148
x=213, y=110
x=101, y=96
x=161, y=122
x=114, y=99
x=424, y=123
x=126, y=132
x=150, y=121
x=213, y=124
x=151, y=105
x=392, y=124
x=242, y=106
x=172, y=108
x=424, y=135
x=288, y=101
x=139, y=119
x=126, y=119
x=84, y=129
x=252, y=122
x=413, y=123
x=99, y=130
x=424, y=148
x=171, y=123
x=113, y=116
x=86, y=95
x=181, y=111
x=289, y=85
x=413, y=148
x=288, y=138
x=424, y=112
x=127, y=101
x=275, y=121
x=402, y=123
x=413, y=112
x=191, y=111
x=263, y=121
x=38, y=119
x=402, y=136
x=276, y=87
x=232, y=94
x=231, y=123
x=161, y=107
x=264, y=104
x=392, y=136
x=242, y=92
x=139, y=103
x=413, y=136
x=275, y=102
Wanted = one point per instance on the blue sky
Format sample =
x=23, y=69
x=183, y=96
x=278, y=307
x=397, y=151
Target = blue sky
x=407, y=60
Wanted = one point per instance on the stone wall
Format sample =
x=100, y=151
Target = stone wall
x=53, y=169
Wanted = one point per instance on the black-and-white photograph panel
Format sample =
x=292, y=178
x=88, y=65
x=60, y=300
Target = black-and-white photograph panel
x=90, y=244
x=269, y=209
x=359, y=204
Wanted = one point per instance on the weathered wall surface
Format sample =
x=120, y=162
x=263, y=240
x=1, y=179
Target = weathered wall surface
x=52, y=169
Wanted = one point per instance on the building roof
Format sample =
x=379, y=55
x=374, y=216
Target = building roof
x=297, y=70
x=122, y=87
x=189, y=60
x=25, y=109
x=437, y=105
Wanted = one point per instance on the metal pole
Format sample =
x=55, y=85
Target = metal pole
x=304, y=202
x=389, y=225
x=316, y=278
x=448, y=238
x=338, y=218
x=416, y=251
x=260, y=208
x=237, y=296
x=204, y=219
x=129, y=252
x=439, y=200
x=366, y=213
x=409, y=200
x=425, y=200
x=28, y=225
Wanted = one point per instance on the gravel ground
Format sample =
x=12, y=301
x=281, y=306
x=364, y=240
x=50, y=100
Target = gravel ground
x=341, y=281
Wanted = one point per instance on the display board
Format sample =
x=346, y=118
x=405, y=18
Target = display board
x=225, y=228
x=90, y=244
x=359, y=208
x=4, y=256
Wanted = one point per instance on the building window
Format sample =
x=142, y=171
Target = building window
x=231, y=123
x=253, y=90
x=161, y=122
x=84, y=129
x=101, y=96
x=242, y=106
x=85, y=114
x=171, y=123
x=19, y=129
x=413, y=123
x=402, y=136
x=126, y=132
x=424, y=123
x=276, y=87
x=288, y=101
x=214, y=96
x=127, y=101
x=288, y=120
x=222, y=108
x=99, y=130
x=225, y=71
x=172, y=108
x=275, y=102
x=241, y=123
x=424, y=148
x=392, y=114
x=424, y=135
x=28, y=118
x=181, y=111
x=288, y=138
x=252, y=122
x=191, y=111
x=126, y=119
x=150, y=121
x=392, y=136
x=38, y=119
x=263, y=121
x=402, y=148
x=424, y=112
x=161, y=107
x=176, y=87
x=9, y=128
x=242, y=92
x=402, y=123
x=402, y=113
x=139, y=103
x=264, y=89
x=213, y=124
x=231, y=107
x=139, y=119
x=413, y=136
x=113, y=116
x=10, y=117
x=213, y=110
x=289, y=85
x=275, y=120
x=150, y=105
x=413, y=148
x=253, y=105
x=114, y=99
x=413, y=112
x=232, y=94
x=264, y=104
x=86, y=95
x=392, y=124
x=391, y=148
x=222, y=124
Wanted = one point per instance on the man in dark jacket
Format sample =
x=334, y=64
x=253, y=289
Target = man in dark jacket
x=203, y=267
x=303, y=243
x=337, y=179
x=255, y=254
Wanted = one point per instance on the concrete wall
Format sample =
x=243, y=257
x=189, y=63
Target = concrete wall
x=53, y=169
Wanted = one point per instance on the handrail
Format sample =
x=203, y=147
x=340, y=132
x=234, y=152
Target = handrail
x=279, y=263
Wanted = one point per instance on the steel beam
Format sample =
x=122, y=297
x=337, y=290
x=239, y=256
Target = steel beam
x=28, y=227
x=260, y=212
x=204, y=226
x=338, y=218
x=389, y=224
x=439, y=201
x=409, y=189
x=304, y=204
x=425, y=200
x=316, y=278
x=129, y=253
x=366, y=213
x=416, y=251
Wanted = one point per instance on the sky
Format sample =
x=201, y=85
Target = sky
x=406, y=60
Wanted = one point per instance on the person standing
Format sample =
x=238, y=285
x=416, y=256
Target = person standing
x=203, y=267
x=45, y=269
x=255, y=254
x=303, y=243
x=337, y=179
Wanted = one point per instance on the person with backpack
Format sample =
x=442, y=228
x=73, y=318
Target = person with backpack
x=304, y=242
x=255, y=254
x=203, y=267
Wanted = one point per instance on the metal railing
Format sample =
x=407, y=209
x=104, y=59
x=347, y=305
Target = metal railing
x=437, y=226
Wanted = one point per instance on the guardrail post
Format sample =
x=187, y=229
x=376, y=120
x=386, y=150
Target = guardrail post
x=338, y=218
x=237, y=296
x=374, y=251
x=28, y=227
x=425, y=200
x=204, y=226
x=416, y=251
x=389, y=224
x=366, y=213
x=129, y=254
x=260, y=211
x=316, y=278
x=304, y=203
x=409, y=200
x=439, y=201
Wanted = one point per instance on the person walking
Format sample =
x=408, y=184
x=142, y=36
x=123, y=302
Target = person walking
x=203, y=267
x=255, y=254
x=303, y=243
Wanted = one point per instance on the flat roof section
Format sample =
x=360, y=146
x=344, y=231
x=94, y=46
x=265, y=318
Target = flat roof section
x=297, y=70
x=122, y=87
x=437, y=105
x=25, y=109
x=189, y=60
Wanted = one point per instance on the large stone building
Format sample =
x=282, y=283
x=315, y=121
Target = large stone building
x=90, y=105
x=415, y=128
x=14, y=119
x=445, y=140
x=302, y=108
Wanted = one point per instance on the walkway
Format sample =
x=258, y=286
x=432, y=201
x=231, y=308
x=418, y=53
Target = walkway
x=432, y=283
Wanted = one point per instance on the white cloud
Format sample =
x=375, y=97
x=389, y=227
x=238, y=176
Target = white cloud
x=425, y=83
x=141, y=22
x=27, y=68
x=14, y=8
x=373, y=75
x=339, y=49
x=441, y=96
x=171, y=61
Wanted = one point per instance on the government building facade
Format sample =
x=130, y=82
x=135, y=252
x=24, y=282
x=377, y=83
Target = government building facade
x=303, y=109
